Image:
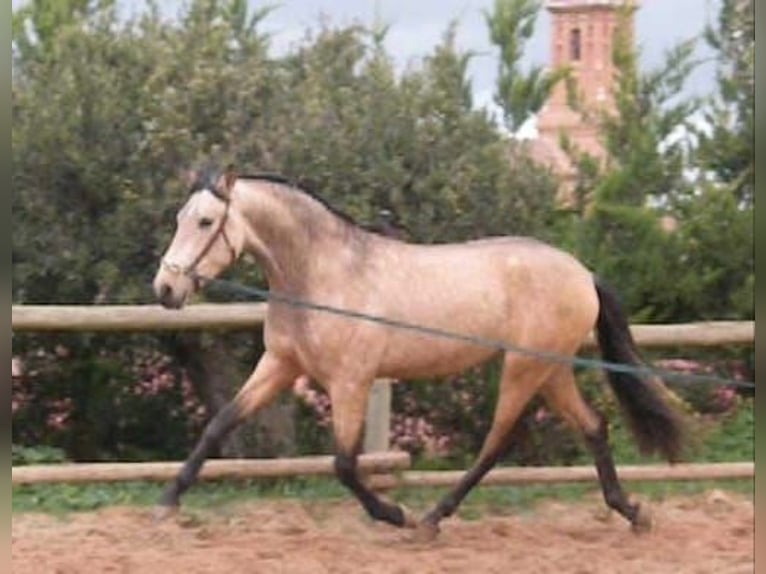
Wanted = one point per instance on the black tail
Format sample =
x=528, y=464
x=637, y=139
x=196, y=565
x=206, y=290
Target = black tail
x=656, y=426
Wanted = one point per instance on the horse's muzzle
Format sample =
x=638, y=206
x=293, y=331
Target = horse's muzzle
x=168, y=298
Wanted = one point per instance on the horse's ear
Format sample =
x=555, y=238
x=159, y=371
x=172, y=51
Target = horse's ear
x=225, y=183
x=189, y=177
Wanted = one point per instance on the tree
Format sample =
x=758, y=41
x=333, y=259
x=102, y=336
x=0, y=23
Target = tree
x=718, y=238
x=727, y=148
x=98, y=147
x=511, y=24
x=662, y=170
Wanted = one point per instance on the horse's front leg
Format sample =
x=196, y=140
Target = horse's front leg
x=270, y=377
x=349, y=404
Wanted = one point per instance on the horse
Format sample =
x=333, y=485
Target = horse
x=518, y=290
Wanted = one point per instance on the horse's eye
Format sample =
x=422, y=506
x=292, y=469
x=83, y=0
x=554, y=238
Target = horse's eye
x=205, y=222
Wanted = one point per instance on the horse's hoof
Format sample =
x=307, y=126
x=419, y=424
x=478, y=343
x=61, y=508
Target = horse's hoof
x=163, y=512
x=642, y=523
x=410, y=521
x=426, y=531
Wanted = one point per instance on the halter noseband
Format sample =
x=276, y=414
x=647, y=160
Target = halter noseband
x=190, y=270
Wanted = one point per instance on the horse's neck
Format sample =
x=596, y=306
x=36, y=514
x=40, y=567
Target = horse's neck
x=292, y=236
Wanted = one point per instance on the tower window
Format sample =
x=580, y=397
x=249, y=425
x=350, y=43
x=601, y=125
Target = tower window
x=574, y=44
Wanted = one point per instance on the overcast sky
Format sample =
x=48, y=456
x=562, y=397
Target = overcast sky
x=416, y=25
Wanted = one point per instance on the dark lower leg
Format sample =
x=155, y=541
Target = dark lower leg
x=346, y=469
x=518, y=383
x=449, y=503
x=221, y=424
x=614, y=496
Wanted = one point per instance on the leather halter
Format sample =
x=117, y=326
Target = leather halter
x=190, y=270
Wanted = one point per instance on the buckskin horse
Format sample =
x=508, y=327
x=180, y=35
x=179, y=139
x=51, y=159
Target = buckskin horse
x=512, y=289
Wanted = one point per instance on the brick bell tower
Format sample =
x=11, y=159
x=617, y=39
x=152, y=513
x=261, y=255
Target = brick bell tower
x=582, y=38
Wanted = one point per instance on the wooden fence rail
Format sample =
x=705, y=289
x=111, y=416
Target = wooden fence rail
x=382, y=462
x=127, y=318
x=384, y=471
x=565, y=474
x=243, y=316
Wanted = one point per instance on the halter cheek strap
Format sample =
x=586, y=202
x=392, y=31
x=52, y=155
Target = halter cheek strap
x=191, y=269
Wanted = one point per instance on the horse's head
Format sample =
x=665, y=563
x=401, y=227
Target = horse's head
x=209, y=237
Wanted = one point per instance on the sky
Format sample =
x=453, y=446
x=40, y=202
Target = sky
x=417, y=25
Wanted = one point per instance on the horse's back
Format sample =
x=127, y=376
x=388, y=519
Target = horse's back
x=518, y=266
x=513, y=289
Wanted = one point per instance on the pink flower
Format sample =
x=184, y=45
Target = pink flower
x=725, y=397
x=301, y=385
x=17, y=368
x=541, y=415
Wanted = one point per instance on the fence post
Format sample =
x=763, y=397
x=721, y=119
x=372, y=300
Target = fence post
x=378, y=421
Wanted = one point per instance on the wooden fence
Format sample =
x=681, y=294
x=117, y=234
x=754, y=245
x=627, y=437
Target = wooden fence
x=380, y=464
x=245, y=316
x=569, y=474
x=383, y=471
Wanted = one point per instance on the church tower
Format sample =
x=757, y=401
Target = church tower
x=582, y=39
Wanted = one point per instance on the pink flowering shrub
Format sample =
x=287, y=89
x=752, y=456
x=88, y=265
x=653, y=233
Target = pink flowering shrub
x=314, y=418
x=449, y=419
x=130, y=402
x=431, y=420
x=410, y=433
x=417, y=435
x=709, y=398
x=315, y=399
x=108, y=404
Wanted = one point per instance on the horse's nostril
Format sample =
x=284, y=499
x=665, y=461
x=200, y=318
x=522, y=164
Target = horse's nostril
x=166, y=292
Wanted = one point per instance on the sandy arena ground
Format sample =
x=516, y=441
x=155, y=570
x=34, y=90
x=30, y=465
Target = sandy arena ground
x=703, y=533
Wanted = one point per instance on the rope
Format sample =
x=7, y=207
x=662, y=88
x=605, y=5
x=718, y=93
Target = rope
x=641, y=370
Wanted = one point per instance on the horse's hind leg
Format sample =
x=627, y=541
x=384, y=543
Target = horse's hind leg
x=562, y=394
x=349, y=403
x=520, y=380
x=270, y=377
